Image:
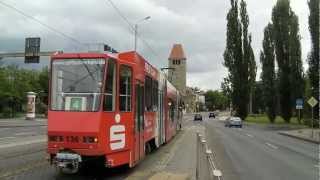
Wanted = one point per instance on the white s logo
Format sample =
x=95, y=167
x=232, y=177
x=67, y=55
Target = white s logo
x=117, y=137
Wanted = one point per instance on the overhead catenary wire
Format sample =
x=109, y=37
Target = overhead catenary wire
x=74, y=40
x=131, y=26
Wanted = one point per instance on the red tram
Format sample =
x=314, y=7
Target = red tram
x=112, y=107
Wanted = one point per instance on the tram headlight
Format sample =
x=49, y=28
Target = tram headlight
x=90, y=139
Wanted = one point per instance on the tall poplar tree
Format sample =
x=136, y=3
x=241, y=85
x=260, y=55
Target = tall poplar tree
x=268, y=75
x=288, y=56
x=239, y=58
x=313, y=59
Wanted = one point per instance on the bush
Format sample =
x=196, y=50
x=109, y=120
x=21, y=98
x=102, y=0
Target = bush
x=6, y=112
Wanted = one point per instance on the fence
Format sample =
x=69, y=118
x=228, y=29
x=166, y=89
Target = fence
x=206, y=168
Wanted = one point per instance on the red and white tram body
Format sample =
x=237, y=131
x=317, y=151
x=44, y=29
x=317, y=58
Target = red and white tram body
x=112, y=107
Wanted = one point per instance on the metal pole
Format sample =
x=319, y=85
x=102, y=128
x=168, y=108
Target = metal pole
x=197, y=162
x=299, y=117
x=312, y=121
x=135, y=36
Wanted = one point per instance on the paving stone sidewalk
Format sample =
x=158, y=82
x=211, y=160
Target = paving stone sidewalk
x=304, y=134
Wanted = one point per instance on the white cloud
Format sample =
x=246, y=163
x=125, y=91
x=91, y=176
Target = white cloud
x=199, y=25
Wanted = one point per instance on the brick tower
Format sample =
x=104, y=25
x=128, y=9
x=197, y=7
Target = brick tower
x=178, y=68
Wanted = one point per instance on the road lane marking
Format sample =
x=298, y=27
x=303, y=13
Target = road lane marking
x=7, y=138
x=317, y=166
x=3, y=129
x=271, y=145
x=249, y=135
x=44, y=139
x=23, y=133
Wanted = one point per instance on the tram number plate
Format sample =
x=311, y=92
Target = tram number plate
x=68, y=156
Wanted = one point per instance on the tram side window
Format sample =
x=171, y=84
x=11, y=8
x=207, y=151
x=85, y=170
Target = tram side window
x=110, y=87
x=125, y=88
x=148, y=93
x=171, y=110
x=155, y=95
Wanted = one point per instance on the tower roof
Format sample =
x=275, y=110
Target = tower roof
x=177, y=52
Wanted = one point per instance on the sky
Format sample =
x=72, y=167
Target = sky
x=199, y=25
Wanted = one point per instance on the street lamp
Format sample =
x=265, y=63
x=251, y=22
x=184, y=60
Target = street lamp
x=136, y=31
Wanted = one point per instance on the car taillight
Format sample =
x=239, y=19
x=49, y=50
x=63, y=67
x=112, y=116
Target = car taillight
x=90, y=139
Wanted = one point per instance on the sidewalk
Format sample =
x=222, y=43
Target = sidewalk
x=173, y=161
x=22, y=122
x=304, y=134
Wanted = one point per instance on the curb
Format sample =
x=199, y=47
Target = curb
x=13, y=126
x=300, y=138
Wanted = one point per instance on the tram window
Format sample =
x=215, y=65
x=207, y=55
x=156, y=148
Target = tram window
x=148, y=93
x=110, y=87
x=155, y=95
x=125, y=88
x=171, y=110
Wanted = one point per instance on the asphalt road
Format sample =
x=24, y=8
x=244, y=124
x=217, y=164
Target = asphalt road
x=258, y=153
x=21, y=157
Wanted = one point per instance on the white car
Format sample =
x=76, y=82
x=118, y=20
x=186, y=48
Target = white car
x=233, y=122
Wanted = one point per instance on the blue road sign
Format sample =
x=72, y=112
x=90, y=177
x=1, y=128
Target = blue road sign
x=299, y=103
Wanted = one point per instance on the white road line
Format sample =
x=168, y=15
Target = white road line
x=271, y=145
x=23, y=143
x=3, y=129
x=7, y=138
x=317, y=166
x=249, y=135
x=23, y=133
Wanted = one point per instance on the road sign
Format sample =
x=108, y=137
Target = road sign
x=32, y=50
x=312, y=102
x=299, y=104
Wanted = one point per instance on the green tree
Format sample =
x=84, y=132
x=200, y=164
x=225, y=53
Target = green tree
x=226, y=89
x=288, y=56
x=215, y=100
x=238, y=57
x=296, y=68
x=313, y=58
x=268, y=76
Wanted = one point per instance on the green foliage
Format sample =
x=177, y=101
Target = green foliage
x=263, y=119
x=268, y=76
x=288, y=55
x=258, y=103
x=215, y=100
x=239, y=58
x=313, y=58
x=15, y=83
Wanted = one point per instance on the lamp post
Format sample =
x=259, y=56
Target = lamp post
x=136, y=31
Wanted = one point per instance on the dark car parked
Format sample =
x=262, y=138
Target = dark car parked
x=197, y=117
x=212, y=115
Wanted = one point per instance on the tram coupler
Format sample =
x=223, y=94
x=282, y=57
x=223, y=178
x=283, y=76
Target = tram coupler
x=67, y=162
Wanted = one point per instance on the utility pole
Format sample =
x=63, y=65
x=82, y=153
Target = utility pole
x=136, y=31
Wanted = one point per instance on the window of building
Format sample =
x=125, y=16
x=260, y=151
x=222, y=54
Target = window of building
x=125, y=88
x=110, y=87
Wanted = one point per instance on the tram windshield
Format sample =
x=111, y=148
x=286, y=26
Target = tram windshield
x=76, y=84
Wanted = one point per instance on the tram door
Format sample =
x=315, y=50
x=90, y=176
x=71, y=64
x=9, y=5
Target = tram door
x=139, y=121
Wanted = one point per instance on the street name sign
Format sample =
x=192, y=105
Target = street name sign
x=312, y=102
x=299, y=104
